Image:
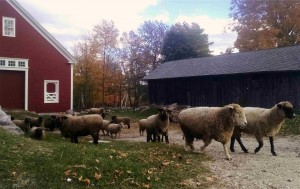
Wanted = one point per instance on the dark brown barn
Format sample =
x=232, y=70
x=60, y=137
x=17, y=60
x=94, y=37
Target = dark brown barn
x=258, y=78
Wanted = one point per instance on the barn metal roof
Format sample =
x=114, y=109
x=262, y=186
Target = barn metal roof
x=269, y=60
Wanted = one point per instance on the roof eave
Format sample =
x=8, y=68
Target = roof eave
x=57, y=45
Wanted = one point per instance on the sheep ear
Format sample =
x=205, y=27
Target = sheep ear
x=279, y=106
x=231, y=109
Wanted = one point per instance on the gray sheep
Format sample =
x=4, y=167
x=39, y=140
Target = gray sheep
x=36, y=121
x=263, y=122
x=115, y=129
x=74, y=126
x=142, y=126
x=209, y=123
x=124, y=120
x=105, y=126
x=49, y=123
x=99, y=111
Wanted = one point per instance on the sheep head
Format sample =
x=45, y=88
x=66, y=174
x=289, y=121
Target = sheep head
x=164, y=113
x=238, y=115
x=287, y=109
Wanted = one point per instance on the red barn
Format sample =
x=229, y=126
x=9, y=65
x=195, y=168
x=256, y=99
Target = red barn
x=36, y=71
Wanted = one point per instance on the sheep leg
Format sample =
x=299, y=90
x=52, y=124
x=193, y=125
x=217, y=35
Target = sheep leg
x=95, y=138
x=167, y=139
x=206, y=143
x=225, y=146
x=232, y=143
x=241, y=144
x=260, y=144
x=272, y=146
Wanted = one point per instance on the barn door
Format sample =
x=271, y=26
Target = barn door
x=12, y=89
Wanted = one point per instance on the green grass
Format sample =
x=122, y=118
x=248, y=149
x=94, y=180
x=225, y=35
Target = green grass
x=292, y=126
x=26, y=163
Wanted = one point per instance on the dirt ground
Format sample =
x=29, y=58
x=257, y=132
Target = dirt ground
x=261, y=170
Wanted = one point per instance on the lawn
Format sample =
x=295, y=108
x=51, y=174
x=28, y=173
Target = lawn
x=58, y=163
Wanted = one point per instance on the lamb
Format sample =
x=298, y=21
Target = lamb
x=74, y=126
x=142, y=126
x=23, y=124
x=124, y=120
x=37, y=133
x=115, y=128
x=209, y=123
x=158, y=124
x=263, y=122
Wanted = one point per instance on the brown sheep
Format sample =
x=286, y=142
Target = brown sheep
x=125, y=120
x=211, y=123
x=74, y=126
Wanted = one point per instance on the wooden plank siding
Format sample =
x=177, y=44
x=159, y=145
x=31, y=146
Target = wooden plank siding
x=257, y=90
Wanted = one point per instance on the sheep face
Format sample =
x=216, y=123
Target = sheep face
x=238, y=115
x=164, y=113
x=287, y=109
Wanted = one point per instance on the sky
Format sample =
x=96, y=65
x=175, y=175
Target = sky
x=69, y=20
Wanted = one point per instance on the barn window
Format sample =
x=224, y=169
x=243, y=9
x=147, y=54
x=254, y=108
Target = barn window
x=51, y=91
x=9, y=27
x=12, y=63
x=21, y=64
x=2, y=62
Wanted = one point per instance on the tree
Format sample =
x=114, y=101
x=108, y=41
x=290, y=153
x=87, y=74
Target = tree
x=152, y=34
x=185, y=41
x=105, y=37
x=265, y=24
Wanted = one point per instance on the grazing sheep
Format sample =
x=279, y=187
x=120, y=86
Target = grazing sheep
x=115, y=128
x=158, y=124
x=74, y=126
x=49, y=123
x=209, y=123
x=23, y=124
x=125, y=120
x=99, y=111
x=263, y=122
x=36, y=121
x=142, y=126
x=37, y=133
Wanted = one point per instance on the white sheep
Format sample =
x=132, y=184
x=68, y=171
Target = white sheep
x=158, y=124
x=263, y=122
x=115, y=128
x=209, y=123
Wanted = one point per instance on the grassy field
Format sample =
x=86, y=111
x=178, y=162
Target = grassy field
x=57, y=163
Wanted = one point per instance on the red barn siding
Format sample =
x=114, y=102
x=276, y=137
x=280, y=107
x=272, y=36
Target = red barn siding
x=45, y=62
x=12, y=89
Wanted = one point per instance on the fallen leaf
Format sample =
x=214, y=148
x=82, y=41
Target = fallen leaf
x=111, y=157
x=80, y=178
x=68, y=172
x=148, y=178
x=13, y=173
x=69, y=180
x=129, y=172
x=80, y=166
x=165, y=162
x=87, y=181
x=74, y=174
x=98, y=176
x=146, y=185
x=97, y=160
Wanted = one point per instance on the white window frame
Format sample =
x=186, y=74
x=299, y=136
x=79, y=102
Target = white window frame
x=13, y=34
x=51, y=97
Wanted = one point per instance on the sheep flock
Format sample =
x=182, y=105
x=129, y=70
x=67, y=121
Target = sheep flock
x=224, y=124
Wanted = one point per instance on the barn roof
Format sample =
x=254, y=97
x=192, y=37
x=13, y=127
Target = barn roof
x=41, y=30
x=269, y=60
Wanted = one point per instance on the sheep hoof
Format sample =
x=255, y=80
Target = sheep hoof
x=229, y=158
x=232, y=150
x=274, y=153
x=246, y=151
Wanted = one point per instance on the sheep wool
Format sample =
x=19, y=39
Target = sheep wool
x=142, y=126
x=115, y=129
x=74, y=126
x=209, y=123
x=263, y=122
x=124, y=120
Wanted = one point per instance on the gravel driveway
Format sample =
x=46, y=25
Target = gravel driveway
x=261, y=170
